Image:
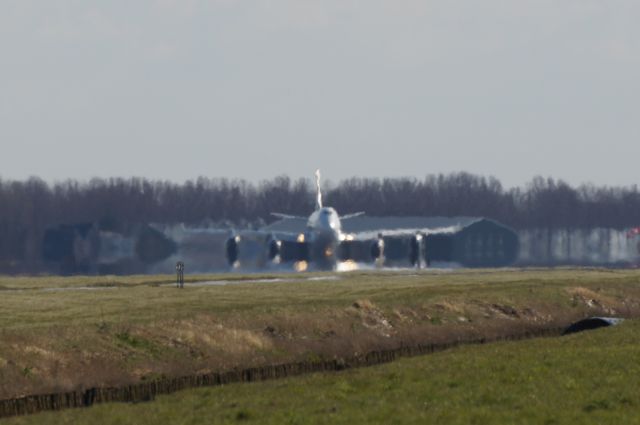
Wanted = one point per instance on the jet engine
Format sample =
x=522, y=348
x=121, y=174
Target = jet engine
x=377, y=249
x=232, y=249
x=416, y=252
x=274, y=249
x=278, y=250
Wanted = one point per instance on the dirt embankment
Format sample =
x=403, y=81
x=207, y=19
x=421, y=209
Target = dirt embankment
x=147, y=391
x=56, y=359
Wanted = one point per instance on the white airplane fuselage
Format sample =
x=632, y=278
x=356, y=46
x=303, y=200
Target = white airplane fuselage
x=324, y=232
x=325, y=221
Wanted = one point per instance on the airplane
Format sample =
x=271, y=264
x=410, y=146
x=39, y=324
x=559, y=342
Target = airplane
x=323, y=244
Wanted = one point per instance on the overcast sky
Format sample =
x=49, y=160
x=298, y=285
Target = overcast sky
x=253, y=89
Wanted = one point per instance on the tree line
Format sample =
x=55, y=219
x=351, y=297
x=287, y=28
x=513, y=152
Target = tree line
x=28, y=208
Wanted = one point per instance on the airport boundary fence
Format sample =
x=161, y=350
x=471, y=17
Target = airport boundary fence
x=147, y=391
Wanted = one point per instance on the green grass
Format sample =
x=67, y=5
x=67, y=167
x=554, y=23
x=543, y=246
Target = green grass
x=139, y=299
x=142, y=326
x=587, y=378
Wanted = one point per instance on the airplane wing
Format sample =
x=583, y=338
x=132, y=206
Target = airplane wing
x=259, y=249
x=352, y=215
x=286, y=216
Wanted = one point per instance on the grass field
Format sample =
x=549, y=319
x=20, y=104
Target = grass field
x=59, y=334
x=587, y=378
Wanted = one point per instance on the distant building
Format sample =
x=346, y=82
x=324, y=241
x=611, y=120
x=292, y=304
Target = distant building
x=89, y=249
x=84, y=248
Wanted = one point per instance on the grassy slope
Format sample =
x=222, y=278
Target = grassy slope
x=587, y=378
x=59, y=340
x=139, y=299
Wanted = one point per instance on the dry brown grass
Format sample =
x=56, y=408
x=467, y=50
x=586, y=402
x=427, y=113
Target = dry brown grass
x=60, y=340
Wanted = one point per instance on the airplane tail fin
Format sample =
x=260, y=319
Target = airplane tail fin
x=319, y=192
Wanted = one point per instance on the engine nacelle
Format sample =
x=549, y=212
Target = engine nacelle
x=274, y=250
x=416, y=251
x=232, y=250
x=377, y=249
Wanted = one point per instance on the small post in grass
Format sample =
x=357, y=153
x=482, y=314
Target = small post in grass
x=180, y=274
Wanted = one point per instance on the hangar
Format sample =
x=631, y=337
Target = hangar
x=464, y=241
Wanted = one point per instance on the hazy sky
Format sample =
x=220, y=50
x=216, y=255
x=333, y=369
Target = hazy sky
x=252, y=89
